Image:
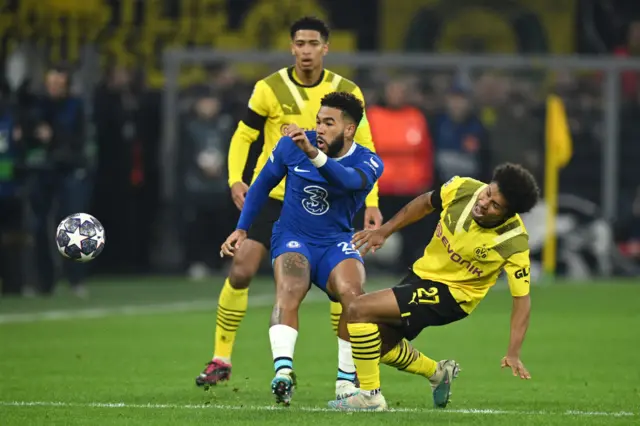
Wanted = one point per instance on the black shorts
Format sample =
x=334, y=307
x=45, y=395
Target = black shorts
x=262, y=227
x=424, y=303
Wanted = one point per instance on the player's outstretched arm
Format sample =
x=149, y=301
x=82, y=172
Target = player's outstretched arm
x=418, y=208
x=517, y=269
x=519, y=324
x=270, y=176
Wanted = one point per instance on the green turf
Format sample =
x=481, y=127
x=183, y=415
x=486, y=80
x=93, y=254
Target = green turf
x=581, y=350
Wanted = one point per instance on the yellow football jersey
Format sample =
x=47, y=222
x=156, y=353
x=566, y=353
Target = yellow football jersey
x=281, y=100
x=469, y=258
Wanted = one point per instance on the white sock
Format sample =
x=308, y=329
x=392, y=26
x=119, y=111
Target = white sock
x=346, y=367
x=283, y=343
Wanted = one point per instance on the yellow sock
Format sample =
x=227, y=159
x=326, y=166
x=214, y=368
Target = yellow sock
x=336, y=311
x=365, y=346
x=405, y=357
x=232, y=305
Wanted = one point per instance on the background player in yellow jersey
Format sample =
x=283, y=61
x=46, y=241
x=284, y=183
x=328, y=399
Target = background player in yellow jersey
x=290, y=95
x=480, y=234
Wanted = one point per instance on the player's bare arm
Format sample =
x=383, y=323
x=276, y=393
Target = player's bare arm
x=519, y=324
x=372, y=240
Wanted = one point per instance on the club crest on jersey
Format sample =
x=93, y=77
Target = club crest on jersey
x=456, y=257
x=293, y=244
x=283, y=129
x=480, y=253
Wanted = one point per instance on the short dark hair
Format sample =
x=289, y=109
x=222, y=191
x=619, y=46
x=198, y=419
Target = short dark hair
x=310, y=23
x=518, y=186
x=346, y=102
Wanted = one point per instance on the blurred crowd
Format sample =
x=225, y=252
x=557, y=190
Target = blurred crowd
x=59, y=156
x=430, y=126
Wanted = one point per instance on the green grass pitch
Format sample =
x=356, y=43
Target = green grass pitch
x=130, y=353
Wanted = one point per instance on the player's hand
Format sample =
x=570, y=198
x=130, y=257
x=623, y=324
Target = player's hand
x=299, y=138
x=238, y=194
x=368, y=240
x=233, y=243
x=517, y=367
x=372, y=218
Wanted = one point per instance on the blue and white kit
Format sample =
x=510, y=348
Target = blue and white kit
x=321, y=198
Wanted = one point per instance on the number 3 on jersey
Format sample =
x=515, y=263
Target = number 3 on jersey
x=316, y=203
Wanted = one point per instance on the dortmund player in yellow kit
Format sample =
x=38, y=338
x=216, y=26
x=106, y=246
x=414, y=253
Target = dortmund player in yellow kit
x=290, y=95
x=480, y=234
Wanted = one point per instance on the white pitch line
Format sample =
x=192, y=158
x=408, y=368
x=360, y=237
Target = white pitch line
x=572, y=413
x=134, y=310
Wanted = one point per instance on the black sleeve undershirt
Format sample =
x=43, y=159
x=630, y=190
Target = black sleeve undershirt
x=436, y=199
x=254, y=120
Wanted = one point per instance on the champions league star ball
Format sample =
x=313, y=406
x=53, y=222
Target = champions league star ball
x=80, y=237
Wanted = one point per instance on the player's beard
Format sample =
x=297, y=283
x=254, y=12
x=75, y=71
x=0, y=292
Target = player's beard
x=335, y=146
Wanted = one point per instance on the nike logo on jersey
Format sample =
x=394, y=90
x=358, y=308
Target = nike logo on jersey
x=299, y=170
x=287, y=107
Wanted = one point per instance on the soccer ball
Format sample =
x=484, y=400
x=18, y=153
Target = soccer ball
x=80, y=237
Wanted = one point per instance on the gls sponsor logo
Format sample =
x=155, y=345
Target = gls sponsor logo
x=522, y=273
x=455, y=257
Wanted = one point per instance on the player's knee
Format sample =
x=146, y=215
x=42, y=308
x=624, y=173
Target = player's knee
x=346, y=291
x=241, y=273
x=349, y=295
x=357, y=311
x=289, y=294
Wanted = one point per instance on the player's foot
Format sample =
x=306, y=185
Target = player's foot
x=215, y=372
x=446, y=371
x=360, y=401
x=282, y=386
x=345, y=388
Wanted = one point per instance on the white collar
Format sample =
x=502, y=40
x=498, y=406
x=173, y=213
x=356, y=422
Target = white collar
x=351, y=151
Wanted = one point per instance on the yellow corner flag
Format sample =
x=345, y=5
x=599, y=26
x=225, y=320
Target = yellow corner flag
x=559, y=149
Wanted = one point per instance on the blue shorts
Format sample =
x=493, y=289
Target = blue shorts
x=322, y=257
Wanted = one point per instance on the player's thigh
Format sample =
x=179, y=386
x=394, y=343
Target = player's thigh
x=346, y=280
x=292, y=268
x=292, y=272
x=246, y=262
x=340, y=271
x=424, y=303
x=380, y=307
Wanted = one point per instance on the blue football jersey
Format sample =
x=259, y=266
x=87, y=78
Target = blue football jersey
x=313, y=208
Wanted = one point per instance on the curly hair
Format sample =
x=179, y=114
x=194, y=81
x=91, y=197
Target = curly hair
x=350, y=106
x=310, y=23
x=518, y=186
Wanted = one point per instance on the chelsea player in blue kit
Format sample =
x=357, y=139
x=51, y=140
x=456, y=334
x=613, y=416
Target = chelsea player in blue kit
x=328, y=179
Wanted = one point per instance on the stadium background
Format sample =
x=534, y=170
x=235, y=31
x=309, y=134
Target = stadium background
x=125, y=348
x=120, y=51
